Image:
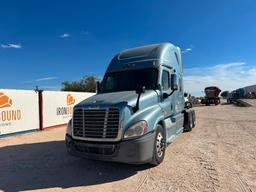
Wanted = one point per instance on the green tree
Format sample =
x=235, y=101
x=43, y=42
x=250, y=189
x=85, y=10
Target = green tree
x=224, y=94
x=86, y=84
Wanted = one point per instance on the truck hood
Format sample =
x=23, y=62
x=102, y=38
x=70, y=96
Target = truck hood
x=117, y=98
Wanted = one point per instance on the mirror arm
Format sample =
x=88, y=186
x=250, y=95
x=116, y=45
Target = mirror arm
x=139, y=92
x=168, y=95
x=171, y=93
x=136, y=107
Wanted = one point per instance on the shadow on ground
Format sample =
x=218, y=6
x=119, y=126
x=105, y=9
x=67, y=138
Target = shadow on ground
x=47, y=165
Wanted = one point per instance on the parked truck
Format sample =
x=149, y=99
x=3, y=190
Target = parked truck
x=211, y=95
x=138, y=109
x=232, y=97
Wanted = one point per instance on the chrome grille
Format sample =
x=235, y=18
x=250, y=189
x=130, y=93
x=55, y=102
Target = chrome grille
x=96, y=123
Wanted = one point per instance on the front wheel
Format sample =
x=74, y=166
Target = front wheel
x=159, y=146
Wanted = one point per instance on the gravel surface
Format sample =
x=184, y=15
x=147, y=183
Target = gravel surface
x=218, y=155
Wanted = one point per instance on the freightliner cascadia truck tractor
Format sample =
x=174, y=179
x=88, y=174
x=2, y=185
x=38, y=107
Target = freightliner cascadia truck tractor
x=138, y=109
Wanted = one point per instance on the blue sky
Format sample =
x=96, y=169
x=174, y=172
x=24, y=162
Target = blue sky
x=47, y=42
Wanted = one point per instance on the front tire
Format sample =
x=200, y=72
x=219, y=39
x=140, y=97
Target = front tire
x=159, y=146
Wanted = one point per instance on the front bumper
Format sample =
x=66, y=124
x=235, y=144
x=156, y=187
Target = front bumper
x=134, y=151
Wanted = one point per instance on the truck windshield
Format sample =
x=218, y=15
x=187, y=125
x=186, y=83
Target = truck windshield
x=129, y=80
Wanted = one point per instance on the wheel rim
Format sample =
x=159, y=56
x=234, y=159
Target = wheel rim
x=160, y=144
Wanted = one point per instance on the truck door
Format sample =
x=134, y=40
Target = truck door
x=166, y=104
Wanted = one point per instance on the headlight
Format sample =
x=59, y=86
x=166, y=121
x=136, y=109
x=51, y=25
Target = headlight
x=69, y=127
x=138, y=129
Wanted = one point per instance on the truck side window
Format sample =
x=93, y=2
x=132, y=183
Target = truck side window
x=176, y=57
x=166, y=80
x=180, y=84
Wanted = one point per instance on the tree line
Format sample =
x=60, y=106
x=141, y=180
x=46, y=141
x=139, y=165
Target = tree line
x=86, y=84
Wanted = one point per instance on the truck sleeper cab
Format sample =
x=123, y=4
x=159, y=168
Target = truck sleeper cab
x=137, y=111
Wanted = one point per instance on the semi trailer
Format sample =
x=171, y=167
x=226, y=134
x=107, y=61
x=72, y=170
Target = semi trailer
x=248, y=92
x=137, y=111
x=211, y=95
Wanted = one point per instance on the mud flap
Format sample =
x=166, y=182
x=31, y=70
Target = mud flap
x=189, y=120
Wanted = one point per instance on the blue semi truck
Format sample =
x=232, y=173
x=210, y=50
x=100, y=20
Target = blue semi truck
x=138, y=109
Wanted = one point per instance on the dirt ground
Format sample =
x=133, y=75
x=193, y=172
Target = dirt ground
x=218, y=155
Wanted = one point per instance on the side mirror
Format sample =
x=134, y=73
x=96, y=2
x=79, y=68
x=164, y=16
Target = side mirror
x=141, y=89
x=98, y=87
x=174, y=82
